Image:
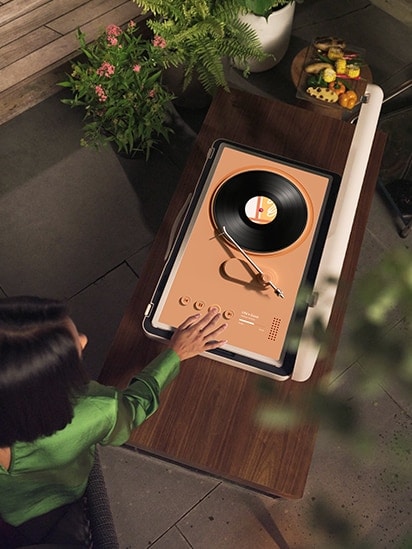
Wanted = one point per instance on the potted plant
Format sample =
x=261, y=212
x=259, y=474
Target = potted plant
x=272, y=21
x=199, y=35
x=119, y=85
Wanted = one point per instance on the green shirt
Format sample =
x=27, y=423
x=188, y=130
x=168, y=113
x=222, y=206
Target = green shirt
x=54, y=470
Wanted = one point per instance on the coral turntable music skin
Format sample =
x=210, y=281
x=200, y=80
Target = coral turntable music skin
x=250, y=241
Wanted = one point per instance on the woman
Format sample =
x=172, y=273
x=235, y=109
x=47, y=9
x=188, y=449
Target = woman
x=52, y=416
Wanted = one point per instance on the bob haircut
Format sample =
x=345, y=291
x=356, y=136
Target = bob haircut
x=41, y=373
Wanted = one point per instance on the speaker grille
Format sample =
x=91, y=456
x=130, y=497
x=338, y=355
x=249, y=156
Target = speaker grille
x=274, y=329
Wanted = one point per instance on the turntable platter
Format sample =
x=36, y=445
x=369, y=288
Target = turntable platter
x=286, y=203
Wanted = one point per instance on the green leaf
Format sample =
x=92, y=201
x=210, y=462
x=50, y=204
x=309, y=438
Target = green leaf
x=264, y=7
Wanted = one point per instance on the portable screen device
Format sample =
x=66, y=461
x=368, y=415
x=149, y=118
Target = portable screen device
x=249, y=244
x=259, y=237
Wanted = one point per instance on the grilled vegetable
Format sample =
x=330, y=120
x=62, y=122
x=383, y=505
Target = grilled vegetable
x=353, y=71
x=337, y=86
x=348, y=99
x=315, y=68
x=329, y=75
x=335, y=53
x=323, y=94
x=340, y=66
x=323, y=43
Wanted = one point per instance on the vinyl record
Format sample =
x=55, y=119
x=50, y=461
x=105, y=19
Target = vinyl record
x=290, y=214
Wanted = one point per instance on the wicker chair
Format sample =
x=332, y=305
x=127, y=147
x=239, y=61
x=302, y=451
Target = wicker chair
x=100, y=515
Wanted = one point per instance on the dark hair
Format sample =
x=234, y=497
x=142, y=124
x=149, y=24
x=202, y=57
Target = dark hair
x=41, y=373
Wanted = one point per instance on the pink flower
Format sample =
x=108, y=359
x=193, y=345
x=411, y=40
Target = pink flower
x=100, y=93
x=106, y=69
x=131, y=24
x=159, y=42
x=113, y=41
x=113, y=30
x=137, y=68
x=152, y=93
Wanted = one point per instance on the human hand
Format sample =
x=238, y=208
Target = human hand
x=197, y=334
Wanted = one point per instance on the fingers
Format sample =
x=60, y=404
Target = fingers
x=209, y=345
x=188, y=322
x=211, y=317
x=200, y=323
x=197, y=334
x=211, y=340
x=214, y=333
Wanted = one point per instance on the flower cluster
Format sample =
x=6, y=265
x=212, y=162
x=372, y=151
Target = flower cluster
x=159, y=42
x=120, y=87
x=112, y=32
x=100, y=93
x=106, y=69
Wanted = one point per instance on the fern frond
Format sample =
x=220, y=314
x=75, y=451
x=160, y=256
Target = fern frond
x=199, y=34
x=243, y=42
x=211, y=70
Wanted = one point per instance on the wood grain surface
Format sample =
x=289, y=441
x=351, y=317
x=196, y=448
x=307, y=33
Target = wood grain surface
x=207, y=418
x=38, y=38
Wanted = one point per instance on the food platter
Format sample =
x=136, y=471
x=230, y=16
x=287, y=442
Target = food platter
x=333, y=74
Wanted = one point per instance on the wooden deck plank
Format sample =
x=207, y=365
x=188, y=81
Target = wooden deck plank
x=87, y=12
x=41, y=16
x=16, y=101
x=62, y=49
x=17, y=49
x=28, y=66
x=15, y=9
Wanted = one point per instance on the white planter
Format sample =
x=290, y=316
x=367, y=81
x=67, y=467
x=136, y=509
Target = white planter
x=274, y=33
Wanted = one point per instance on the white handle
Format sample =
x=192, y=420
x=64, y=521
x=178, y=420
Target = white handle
x=334, y=251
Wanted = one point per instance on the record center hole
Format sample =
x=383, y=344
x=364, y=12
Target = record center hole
x=261, y=210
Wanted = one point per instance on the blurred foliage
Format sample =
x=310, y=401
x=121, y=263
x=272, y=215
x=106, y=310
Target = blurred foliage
x=385, y=353
x=379, y=336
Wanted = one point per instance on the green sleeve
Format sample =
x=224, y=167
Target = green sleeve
x=141, y=398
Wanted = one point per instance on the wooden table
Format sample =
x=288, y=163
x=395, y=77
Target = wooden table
x=207, y=418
